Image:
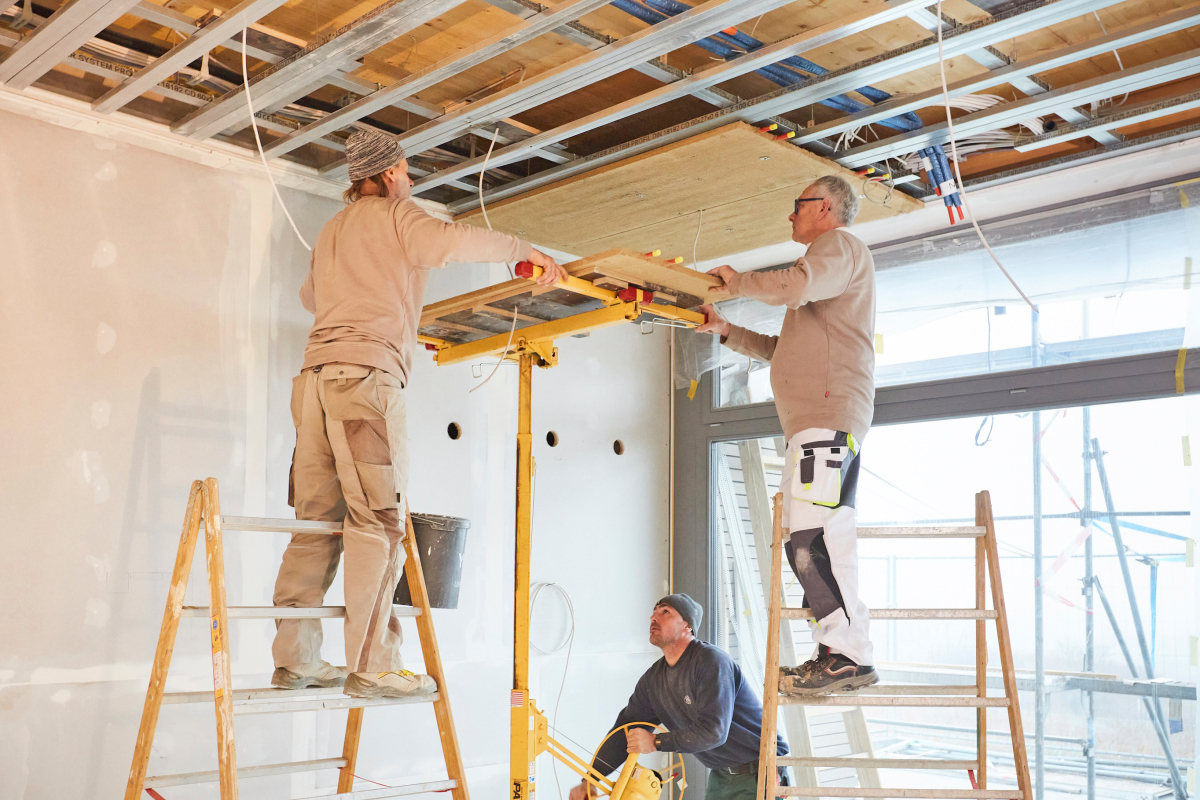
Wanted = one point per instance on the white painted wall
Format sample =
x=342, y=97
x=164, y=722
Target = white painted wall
x=151, y=328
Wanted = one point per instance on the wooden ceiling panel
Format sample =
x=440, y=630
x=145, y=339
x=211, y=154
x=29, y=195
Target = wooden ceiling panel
x=743, y=180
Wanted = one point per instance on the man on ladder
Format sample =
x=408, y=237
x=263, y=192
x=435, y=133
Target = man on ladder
x=822, y=374
x=366, y=286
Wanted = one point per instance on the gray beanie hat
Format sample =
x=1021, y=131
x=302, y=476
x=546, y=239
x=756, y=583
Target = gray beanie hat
x=370, y=153
x=688, y=608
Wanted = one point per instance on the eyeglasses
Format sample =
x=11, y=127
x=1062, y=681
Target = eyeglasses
x=800, y=200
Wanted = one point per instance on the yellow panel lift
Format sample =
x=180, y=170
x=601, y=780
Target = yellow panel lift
x=529, y=345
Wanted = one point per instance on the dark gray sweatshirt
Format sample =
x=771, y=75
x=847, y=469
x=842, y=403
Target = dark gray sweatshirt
x=706, y=703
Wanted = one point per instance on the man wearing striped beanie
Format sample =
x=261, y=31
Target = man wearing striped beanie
x=365, y=286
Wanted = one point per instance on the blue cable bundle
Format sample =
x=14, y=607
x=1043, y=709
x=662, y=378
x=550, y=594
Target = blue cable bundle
x=790, y=71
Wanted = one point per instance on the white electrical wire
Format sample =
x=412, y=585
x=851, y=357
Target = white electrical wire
x=568, y=642
x=1116, y=55
x=962, y=192
x=483, y=207
x=258, y=141
x=696, y=242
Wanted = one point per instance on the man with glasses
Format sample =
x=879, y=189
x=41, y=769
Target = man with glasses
x=822, y=374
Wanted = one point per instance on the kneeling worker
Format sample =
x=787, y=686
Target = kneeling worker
x=365, y=288
x=698, y=693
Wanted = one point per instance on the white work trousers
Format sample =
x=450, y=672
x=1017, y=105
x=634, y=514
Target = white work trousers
x=819, y=482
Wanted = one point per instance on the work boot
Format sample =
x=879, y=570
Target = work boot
x=319, y=673
x=389, y=684
x=825, y=674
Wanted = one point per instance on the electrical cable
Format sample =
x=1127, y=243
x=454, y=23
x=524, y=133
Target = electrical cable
x=962, y=192
x=696, y=243
x=568, y=642
x=258, y=141
x=1116, y=55
x=483, y=207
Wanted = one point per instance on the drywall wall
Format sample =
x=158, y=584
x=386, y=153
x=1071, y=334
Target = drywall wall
x=151, y=328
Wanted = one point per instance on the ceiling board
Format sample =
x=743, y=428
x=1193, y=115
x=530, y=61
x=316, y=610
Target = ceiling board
x=743, y=180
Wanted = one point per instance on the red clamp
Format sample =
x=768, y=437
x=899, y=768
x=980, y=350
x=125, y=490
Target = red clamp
x=524, y=269
x=431, y=347
x=632, y=294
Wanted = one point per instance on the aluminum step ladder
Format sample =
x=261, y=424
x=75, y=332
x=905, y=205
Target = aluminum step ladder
x=204, y=507
x=987, y=569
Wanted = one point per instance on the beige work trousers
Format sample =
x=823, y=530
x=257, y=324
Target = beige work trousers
x=351, y=462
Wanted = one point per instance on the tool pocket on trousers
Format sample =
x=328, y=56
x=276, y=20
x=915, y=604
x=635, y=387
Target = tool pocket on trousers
x=368, y=441
x=298, y=398
x=817, y=477
x=378, y=483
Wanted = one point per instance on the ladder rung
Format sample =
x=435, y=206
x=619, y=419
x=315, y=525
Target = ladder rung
x=930, y=794
x=275, y=701
x=878, y=763
x=905, y=613
x=923, y=532
x=275, y=612
x=212, y=776
x=919, y=688
x=279, y=525
x=851, y=699
x=328, y=703
x=390, y=791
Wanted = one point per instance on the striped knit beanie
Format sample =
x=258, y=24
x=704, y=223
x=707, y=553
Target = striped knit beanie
x=370, y=153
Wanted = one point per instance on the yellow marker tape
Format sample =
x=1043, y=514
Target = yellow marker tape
x=1179, y=362
x=692, y=390
x=879, y=343
x=1189, y=558
x=1187, y=452
x=1187, y=273
x=1183, y=200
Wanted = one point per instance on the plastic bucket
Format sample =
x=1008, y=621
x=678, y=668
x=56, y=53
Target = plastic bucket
x=441, y=541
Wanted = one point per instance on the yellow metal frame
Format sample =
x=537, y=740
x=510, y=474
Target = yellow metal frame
x=529, y=346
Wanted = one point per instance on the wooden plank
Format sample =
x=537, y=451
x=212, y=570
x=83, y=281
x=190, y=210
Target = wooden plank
x=904, y=794
x=905, y=613
x=166, y=644
x=880, y=763
x=279, y=525
x=354, y=722
x=981, y=659
x=855, y=699
x=742, y=180
x=355, y=704
x=910, y=688
x=433, y=662
x=983, y=517
x=219, y=634
x=659, y=276
x=770, y=717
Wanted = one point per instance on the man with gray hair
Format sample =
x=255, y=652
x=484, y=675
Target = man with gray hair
x=822, y=374
x=365, y=288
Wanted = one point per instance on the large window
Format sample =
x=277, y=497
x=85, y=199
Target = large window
x=927, y=473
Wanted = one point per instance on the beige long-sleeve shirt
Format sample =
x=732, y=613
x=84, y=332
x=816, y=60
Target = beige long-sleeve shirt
x=367, y=281
x=823, y=360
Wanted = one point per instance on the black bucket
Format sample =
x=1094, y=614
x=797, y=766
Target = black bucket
x=441, y=541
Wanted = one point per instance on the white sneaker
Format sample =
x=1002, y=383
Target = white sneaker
x=320, y=673
x=389, y=684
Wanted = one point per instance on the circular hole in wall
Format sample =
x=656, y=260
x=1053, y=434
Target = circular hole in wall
x=552, y=439
x=619, y=447
x=454, y=430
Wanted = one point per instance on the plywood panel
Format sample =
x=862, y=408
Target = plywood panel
x=742, y=180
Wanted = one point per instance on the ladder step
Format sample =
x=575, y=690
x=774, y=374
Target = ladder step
x=212, y=776
x=905, y=613
x=276, y=612
x=923, y=532
x=277, y=701
x=279, y=525
x=390, y=791
x=876, y=700
x=878, y=763
x=928, y=794
x=919, y=688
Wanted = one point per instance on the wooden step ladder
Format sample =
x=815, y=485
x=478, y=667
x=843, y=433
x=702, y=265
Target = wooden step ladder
x=987, y=569
x=204, y=507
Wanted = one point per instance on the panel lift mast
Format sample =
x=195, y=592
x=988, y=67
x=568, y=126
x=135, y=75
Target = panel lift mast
x=529, y=346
